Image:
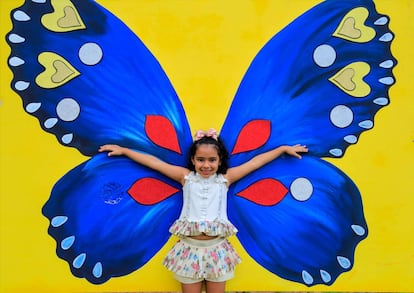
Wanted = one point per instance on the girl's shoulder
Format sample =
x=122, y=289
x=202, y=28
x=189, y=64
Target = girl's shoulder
x=221, y=179
x=189, y=176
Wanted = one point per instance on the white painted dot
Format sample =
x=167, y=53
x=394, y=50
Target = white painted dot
x=68, y=109
x=326, y=277
x=90, y=54
x=307, y=278
x=381, y=21
x=58, y=221
x=344, y=262
x=351, y=139
x=15, y=61
x=97, y=270
x=49, y=123
x=386, y=37
x=387, y=64
x=336, y=152
x=324, y=55
x=359, y=230
x=21, y=85
x=16, y=39
x=367, y=124
x=79, y=261
x=301, y=189
x=67, y=242
x=341, y=116
x=382, y=101
x=386, y=80
x=20, y=16
x=67, y=138
x=33, y=107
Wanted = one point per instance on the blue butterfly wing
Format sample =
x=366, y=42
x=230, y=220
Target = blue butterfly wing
x=318, y=82
x=110, y=216
x=90, y=80
x=303, y=223
x=312, y=85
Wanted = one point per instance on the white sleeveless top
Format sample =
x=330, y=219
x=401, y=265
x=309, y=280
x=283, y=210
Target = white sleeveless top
x=204, y=207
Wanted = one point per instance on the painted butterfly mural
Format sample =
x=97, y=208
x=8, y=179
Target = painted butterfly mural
x=91, y=81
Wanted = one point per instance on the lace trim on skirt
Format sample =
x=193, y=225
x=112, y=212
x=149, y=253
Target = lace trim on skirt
x=202, y=258
x=211, y=228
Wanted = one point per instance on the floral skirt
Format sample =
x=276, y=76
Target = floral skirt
x=193, y=258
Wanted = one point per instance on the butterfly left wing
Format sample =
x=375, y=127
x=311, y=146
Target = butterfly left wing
x=90, y=80
x=318, y=82
x=110, y=216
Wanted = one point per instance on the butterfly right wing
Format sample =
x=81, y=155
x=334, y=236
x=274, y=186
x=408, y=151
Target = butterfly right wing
x=318, y=82
x=299, y=219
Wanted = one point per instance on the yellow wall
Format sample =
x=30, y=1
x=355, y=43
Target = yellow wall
x=205, y=48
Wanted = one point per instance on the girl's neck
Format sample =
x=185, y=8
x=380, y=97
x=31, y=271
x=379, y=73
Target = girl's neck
x=211, y=176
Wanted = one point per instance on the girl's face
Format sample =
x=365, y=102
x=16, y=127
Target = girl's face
x=206, y=160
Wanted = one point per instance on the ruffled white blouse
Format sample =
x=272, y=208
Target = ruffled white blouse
x=204, y=208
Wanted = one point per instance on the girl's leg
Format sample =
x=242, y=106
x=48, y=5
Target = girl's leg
x=215, y=287
x=192, y=288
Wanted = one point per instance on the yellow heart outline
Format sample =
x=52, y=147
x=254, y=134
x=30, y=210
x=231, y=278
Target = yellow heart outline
x=58, y=71
x=350, y=79
x=64, y=18
x=352, y=26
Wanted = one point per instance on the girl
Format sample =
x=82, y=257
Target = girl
x=203, y=253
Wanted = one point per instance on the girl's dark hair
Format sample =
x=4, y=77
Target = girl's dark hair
x=221, y=150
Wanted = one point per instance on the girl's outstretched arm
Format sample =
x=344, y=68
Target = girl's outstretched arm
x=174, y=172
x=238, y=172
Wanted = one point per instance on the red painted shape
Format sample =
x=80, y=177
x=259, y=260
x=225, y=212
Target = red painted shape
x=149, y=191
x=161, y=132
x=265, y=192
x=252, y=136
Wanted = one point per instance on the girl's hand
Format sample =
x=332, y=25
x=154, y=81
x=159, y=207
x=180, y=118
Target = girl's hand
x=295, y=150
x=112, y=149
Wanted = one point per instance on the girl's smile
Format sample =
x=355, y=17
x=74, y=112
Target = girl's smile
x=206, y=160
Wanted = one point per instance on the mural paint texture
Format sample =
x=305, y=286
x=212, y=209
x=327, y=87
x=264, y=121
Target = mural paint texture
x=90, y=80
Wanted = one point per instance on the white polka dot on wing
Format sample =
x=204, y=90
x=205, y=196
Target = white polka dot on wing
x=50, y=122
x=15, y=61
x=341, y=116
x=33, y=107
x=381, y=21
x=90, y=54
x=324, y=55
x=16, y=39
x=301, y=189
x=67, y=138
x=20, y=15
x=68, y=109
